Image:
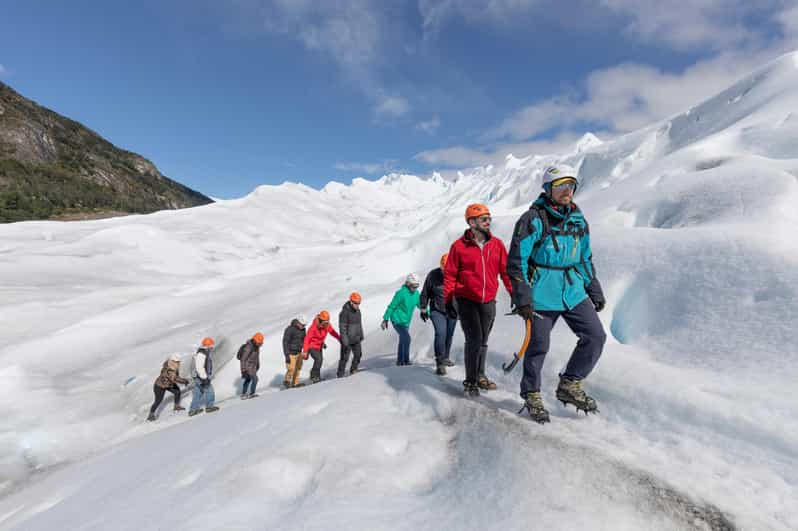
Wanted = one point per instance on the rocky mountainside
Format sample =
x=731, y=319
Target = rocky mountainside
x=52, y=167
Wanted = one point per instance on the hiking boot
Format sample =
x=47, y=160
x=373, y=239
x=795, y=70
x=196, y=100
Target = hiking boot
x=299, y=384
x=315, y=380
x=194, y=412
x=151, y=417
x=179, y=408
x=448, y=362
x=441, y=370
x=486, y=384
x=211, y=409
x=244, y=397
x=408, y=362
x=253, y=395
x=570, y=392
x=534, y=406
x=470, y=389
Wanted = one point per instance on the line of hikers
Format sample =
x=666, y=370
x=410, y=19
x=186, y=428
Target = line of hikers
x=548, y=272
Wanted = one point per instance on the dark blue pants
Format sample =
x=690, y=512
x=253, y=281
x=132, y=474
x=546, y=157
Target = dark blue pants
x=444, y=330
x=251, y=382
x=584, y=322
x=403, y=352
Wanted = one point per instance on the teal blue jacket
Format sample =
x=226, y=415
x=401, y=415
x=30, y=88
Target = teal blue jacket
x=400, y=310
x=548, y=274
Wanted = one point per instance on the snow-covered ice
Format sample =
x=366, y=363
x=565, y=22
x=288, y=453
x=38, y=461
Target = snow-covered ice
x=693, y=225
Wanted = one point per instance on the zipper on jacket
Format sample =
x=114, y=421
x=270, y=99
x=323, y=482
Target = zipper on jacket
x=484, y=275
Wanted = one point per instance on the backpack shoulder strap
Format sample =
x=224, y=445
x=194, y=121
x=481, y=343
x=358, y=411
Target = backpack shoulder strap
x=544, y=220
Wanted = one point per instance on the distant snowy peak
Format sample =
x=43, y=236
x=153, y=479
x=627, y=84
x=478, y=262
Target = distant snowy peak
x=588, y=141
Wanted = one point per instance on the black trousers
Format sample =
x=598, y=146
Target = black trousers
x=159, y=392
x=356, y=351
x=318, y=360
x=476, y=319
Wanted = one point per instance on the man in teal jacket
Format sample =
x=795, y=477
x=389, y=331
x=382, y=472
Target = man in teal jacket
x=551, y=269
x=400, y=314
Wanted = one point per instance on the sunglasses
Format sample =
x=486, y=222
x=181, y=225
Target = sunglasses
x=567, y=185
x=484, y=219
x=324, y=323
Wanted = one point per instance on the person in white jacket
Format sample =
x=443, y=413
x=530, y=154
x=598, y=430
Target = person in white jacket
x=202, y=372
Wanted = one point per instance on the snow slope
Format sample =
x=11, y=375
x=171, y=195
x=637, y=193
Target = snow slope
x=692, y=222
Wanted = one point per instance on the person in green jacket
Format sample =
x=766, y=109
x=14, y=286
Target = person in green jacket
x=400, y=313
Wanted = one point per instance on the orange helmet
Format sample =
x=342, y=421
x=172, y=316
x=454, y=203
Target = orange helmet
x=476, y=210
x=208, y=342
x=444, y=257
x=324, y=315
x=258, y=338
x=355, y=297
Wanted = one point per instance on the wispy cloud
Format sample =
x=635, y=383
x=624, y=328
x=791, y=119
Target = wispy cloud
x=429, y=126
x=3, y=70
x=466, y=157
x=386, y=166
x=351, y=33
x=392, y=106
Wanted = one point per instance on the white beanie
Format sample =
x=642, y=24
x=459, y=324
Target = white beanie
x=301, y=319
x=174, y=357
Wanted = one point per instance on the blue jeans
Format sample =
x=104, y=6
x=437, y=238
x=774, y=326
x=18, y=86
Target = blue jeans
x=403, y=353
x=444, y=330
x=251, y=381
x=201, y=397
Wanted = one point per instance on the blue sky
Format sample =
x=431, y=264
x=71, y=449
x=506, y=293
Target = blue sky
x=226, y=95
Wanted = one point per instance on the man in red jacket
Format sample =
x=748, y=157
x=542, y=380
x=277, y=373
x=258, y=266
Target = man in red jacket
x=314, y=343
x=470, y=279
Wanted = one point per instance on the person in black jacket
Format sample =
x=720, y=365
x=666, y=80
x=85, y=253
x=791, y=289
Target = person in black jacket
x=350, y=326
x=293, y=339
x=432, y=297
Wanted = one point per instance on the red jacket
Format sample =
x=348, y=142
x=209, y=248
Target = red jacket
x=314, y=339
x=472, y=273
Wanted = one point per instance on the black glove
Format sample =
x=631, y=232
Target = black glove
x=324, y=345
x=205, y=382
x=384, y=324
x=596, y=294
x=424, y=315
x=451, y=309
x=526, y=311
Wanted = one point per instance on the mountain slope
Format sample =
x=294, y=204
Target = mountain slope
x=693, y=235
x=51, y=166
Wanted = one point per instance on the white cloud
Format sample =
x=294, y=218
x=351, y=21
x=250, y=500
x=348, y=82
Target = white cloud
x=629, y=96
x=392, y=106
x=465, y=157
x=352, y=33
x=429, y=126
x=3, y=70
x=386, y=166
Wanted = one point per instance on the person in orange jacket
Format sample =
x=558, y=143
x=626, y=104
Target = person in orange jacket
x=314, y=342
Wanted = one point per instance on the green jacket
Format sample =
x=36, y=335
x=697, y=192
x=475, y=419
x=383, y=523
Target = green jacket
x=400, y=311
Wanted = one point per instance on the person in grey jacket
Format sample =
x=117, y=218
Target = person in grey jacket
x=350, y=326
x=249, y=355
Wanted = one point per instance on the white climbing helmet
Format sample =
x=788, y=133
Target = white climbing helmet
x=412, y=280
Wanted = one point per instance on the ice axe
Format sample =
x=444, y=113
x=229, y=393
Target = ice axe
x=508, y=367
